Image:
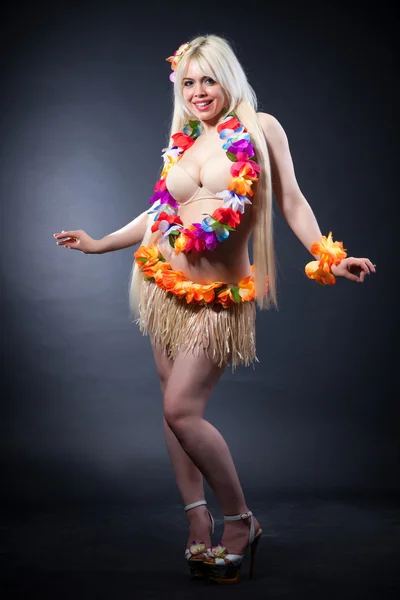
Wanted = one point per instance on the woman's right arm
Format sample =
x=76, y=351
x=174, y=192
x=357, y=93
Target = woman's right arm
x=129, y=235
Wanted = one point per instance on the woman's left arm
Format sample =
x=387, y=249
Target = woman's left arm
x=294, y=206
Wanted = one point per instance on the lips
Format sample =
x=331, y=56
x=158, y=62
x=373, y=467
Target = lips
x=201, y=105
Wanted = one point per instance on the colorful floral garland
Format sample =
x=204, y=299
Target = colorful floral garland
x=216, y=227
x=155, y=269
x=331, y=253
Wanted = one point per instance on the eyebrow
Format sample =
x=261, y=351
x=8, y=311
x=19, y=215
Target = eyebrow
x=191, y=78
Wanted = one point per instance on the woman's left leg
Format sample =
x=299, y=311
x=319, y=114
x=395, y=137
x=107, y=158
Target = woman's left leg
x=189, y=387
x=189, y=479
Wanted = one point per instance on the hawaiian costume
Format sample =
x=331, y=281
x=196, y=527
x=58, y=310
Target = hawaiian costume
x=218, y=318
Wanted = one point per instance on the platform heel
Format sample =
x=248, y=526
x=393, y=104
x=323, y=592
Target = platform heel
x=197, y=552
x=222, y=567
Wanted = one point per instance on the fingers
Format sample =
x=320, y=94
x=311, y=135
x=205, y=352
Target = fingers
x=64, y=234
x=68, y=239
x=352, y=277
x=363, y=264
x=367, y=266
x=370, y=264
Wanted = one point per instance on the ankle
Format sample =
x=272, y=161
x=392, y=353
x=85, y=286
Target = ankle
x=197, y=514
x=238, y=511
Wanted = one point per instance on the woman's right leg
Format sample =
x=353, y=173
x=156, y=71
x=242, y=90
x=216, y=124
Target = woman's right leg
x=188, y=477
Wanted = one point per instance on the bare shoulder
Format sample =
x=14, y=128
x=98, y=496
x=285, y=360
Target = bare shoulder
x=273, y=130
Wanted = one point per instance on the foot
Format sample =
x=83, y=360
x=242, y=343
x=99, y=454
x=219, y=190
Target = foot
x=199, y=526
x=236, y=535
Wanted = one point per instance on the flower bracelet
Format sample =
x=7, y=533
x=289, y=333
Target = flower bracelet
x=331, y=253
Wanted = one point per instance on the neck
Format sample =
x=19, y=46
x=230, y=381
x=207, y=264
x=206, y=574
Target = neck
x=210, y=125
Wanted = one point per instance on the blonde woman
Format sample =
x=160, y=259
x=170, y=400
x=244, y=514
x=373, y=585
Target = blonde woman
x=193, y=288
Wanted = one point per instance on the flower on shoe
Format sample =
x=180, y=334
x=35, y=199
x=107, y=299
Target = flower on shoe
x=196, y=548
x=218, y=551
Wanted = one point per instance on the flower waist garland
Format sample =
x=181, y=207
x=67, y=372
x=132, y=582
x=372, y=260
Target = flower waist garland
x=216, y=227
x=155, y=269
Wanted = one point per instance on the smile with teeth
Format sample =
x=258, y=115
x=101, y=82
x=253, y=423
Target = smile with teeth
x=202, y=104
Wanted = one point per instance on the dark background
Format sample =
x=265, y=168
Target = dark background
x=86, y=107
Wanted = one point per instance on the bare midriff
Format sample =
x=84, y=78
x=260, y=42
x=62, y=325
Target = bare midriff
x=228, y=262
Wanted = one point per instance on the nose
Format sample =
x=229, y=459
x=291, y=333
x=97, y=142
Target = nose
x=198, y=89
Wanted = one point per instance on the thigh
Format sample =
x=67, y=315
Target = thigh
x=164, y=364
x=191, y=381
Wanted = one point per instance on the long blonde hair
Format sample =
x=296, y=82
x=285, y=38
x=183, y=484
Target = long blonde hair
x=213, y=53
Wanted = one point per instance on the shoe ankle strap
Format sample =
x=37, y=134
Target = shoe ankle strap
x=194, y=504
x=246, y=515
x=199, y=503
x=238, y=517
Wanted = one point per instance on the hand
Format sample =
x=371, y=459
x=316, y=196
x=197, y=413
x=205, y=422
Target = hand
x=350, y=265
x=78, y=240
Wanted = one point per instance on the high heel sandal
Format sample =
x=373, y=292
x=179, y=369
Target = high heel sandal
x=197, y=553
x=215, y=566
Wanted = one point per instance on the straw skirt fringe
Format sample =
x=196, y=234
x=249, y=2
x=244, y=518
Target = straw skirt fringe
x=225, y=335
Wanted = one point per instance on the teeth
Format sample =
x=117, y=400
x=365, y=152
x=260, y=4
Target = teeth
x=203, y=103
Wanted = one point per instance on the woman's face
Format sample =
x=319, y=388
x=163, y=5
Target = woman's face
x=203, y=96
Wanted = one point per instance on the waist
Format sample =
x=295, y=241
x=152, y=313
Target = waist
x=156, y=269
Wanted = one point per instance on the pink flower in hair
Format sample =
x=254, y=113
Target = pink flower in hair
x=176, y=57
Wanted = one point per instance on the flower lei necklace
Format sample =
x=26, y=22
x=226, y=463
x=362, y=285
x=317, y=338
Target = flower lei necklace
x=216, y=227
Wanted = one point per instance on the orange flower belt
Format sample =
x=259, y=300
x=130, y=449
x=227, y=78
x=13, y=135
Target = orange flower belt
x=155, y=268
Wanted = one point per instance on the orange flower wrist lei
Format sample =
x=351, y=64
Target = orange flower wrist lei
x=331, y=253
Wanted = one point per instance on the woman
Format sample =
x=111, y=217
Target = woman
x=192, y=284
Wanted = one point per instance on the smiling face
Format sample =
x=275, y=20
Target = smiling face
x=203, y=96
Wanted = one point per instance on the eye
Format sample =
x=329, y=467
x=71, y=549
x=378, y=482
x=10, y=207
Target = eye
x=210, y=80
x=187, y=83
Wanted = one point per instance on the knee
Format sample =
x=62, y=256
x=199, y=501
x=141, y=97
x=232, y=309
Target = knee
x=176, y=415
x=176, y=420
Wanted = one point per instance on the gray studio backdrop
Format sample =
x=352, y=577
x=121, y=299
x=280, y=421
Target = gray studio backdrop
x=86, y=109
